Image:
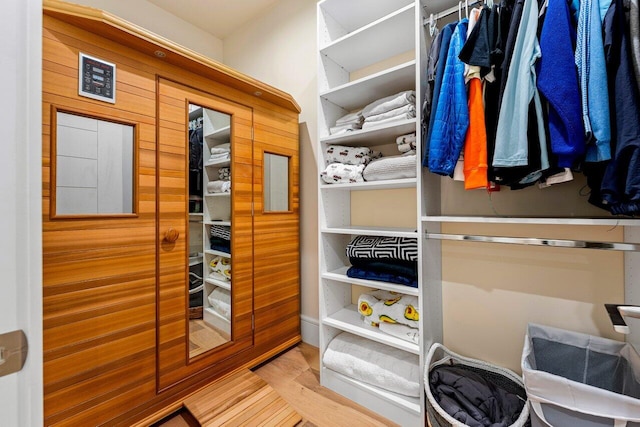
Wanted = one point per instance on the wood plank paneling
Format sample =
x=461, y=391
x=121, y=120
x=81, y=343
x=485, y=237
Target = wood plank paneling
x=114, y=317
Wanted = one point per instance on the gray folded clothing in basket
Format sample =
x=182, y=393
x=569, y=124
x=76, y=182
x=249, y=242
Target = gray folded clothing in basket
x=468, y=392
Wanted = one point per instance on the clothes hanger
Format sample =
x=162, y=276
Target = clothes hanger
x=466, y=8
x=460, y=11
x=433, y=28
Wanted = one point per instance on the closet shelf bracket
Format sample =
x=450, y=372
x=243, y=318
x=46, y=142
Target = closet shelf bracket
x=535, y=241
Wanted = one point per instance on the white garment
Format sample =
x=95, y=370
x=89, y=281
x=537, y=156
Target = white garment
x=389, y=103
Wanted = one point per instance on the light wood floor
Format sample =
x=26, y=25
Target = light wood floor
x=203, y=337
x=295, y=376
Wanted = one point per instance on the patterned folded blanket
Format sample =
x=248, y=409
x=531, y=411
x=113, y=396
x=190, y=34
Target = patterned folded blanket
x=403, y=248
x=348, y=155
x=393, y=167
x=221, y=231
x=338, y=173
x=390, y=307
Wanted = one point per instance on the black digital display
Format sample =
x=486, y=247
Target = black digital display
x=97, y=78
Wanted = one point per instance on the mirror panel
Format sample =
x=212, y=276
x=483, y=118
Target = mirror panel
x=94, y=166
x=210, y=192
x=276, y=183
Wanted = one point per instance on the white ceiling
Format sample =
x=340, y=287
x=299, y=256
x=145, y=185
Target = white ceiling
x=217, y=17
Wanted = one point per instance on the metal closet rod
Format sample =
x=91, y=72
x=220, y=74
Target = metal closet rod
x=451, y=10
x=534, y=241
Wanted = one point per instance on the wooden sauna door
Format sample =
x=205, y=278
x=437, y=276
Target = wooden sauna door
x=174, y=361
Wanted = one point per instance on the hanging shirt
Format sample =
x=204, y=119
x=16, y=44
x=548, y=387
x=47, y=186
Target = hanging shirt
x=476, y=49
x=520, y=89
x=592, y=74
x=452, y=114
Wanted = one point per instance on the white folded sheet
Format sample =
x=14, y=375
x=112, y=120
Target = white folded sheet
x=389, y=103
x=219, y=186
x=373, y=363
x=392, y=167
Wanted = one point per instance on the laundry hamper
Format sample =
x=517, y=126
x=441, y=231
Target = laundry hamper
x=503, y=378
x=575, y=379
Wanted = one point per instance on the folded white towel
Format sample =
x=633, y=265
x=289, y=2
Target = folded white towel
x=405, y=109
x=220, y=300
x=222, y=148
x=373, y=363
x=345, y=128
x=367, y=125
x=219, y=158
x=219, y=186
x=389, y=103
x=350, y=118
x=392, y=167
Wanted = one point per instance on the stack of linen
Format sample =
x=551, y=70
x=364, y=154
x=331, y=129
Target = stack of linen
x=346, y=164
x=395, y=167
x=400, y=106
x=349, y=122
x=393, y=313
x=220, y=153
x=220, y=238
x=385, y=259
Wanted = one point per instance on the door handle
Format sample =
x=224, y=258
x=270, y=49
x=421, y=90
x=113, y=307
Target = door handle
x=13, y=352
x=171, y=235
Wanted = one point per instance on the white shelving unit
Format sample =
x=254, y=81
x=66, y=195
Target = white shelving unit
x=368, y=49
x=217, y=210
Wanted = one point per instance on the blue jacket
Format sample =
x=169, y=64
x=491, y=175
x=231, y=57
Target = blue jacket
x=558, y=82
x=621, y=184
x=445, y=36
x=452, y=113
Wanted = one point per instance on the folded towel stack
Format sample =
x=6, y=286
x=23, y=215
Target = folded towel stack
x=395, y=314
x=392, y=108
x=349, y=122
x=386, y=259
x=406, y=142
x=220, y=153
x=220, y=238
x=220, y=301
x=220, y=268
x=219, y=186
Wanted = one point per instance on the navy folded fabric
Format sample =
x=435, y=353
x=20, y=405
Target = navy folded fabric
x=359, y=273
x=387, y=265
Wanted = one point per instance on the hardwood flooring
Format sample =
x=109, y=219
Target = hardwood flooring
x=294, y=375
x=203, y=337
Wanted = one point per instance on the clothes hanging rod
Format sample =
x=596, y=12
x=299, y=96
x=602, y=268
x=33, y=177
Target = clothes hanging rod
x=460, y=6
x=534, y=241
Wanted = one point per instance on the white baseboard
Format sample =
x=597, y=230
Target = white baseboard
x=310, y=329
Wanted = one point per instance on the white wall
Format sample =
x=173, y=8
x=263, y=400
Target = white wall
x=279, y=49
x=20, y=210
x=155, y=19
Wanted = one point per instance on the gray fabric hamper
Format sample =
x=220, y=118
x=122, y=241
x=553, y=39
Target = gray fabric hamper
x=575, y=379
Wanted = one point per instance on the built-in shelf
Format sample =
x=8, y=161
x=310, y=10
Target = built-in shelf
x=195, y=260
x=374, y=42
x=217, y=253
x=372, y=185
x=361, y=92
x=225, y=223
x=219, y=136
x=372, y=231
x=219, y=283
x=340, y=275
x=353, y=14
x=218, y=163
x=531, y=220
x=411, y=404
x=372, y=136
x=349, y=320
x=227, y=194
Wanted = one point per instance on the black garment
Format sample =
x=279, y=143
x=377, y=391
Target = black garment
x=492, y=89
x=512, y=32
x=387, y=265
x=432, y=63
x=621, y=182
x=195, y=161
x=472, y=398
x=477, y=49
